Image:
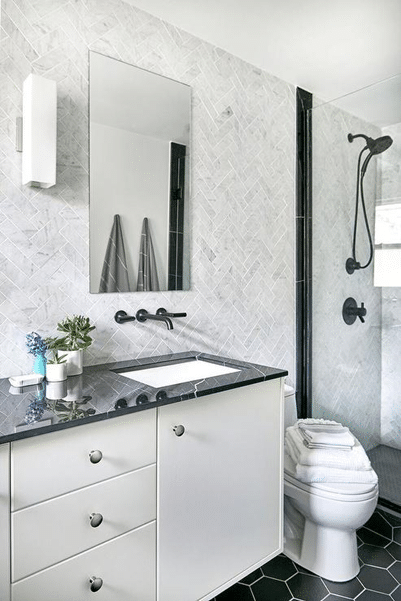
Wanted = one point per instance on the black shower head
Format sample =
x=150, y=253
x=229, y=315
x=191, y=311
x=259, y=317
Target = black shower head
x=380, y=144
x=374, y=146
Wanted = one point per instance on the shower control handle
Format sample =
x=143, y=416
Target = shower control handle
x=351, y=311
x=362, y=312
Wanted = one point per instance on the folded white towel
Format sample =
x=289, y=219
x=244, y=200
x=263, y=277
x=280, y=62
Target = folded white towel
x=313, y=421
x=319, y=435
x=312, y=473
x=355, y=459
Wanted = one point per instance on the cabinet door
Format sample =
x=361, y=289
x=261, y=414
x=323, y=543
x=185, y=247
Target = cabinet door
x=126, y=566
x=220, y=489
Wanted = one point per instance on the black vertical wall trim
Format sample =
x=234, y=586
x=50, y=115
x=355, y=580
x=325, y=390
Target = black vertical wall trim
x=304, y=254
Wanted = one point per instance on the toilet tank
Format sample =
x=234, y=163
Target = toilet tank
x=290, y=406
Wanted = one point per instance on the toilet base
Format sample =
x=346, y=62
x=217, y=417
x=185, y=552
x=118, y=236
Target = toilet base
x=327, y=552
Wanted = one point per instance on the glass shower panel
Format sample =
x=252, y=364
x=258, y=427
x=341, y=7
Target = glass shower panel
x=356, y=369
x=346, y=372
x=391, y=293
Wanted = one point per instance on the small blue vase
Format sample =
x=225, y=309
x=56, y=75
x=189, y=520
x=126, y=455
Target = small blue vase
x=39, y=366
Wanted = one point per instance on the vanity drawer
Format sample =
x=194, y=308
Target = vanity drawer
x=47, y=533
x=125, y=564
x=56, y=463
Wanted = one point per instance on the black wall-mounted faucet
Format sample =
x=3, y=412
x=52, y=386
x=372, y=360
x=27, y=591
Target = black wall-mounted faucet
x=142, y=315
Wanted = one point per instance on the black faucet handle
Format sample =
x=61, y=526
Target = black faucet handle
x=162, y=311
x=122, y=317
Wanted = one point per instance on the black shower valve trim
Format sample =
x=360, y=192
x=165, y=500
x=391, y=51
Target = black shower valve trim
x=351, y=311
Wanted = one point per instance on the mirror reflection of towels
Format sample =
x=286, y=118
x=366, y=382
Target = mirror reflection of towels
x=114, y=276
x=147, y=270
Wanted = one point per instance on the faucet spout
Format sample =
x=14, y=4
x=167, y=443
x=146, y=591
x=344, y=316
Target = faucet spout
x=142, y=315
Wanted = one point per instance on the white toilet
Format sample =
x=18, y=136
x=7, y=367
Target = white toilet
x=320, y=520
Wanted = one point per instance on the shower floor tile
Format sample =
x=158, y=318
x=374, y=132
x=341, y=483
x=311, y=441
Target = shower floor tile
x=386, y=462
x=379, y=579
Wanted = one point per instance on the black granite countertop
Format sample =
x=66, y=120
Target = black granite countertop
x=103, y=392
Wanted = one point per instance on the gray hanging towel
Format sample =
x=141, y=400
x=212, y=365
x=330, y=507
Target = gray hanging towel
x=114, y=276
x=147, y=270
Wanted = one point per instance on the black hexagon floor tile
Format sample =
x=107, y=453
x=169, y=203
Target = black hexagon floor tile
x=395, y=570
x=394, y=550
x=268, y=589
x=397, y=535
x=281, y=567
x=307, y=588
x=349, y=589
x=372, y=538
x=377, y=579
x=375, y=556
x=379, y=524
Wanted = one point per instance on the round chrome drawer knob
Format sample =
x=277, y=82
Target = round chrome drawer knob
x=95, y=519
x=96, y=584
x=178, y=430
x=95, y=456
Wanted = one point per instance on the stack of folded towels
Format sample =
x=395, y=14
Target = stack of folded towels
x=326, y=451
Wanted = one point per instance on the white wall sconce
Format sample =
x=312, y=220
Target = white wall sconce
x=39, y=131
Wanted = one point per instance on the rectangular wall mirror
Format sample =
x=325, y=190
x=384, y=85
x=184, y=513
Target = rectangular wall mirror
x=139, y=178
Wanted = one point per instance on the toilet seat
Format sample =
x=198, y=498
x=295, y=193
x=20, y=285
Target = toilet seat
x=341, y=491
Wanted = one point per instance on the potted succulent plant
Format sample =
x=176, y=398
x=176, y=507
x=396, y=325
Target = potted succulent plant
x=74, y=340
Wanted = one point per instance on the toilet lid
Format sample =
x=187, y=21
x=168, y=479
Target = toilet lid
x=342, y=489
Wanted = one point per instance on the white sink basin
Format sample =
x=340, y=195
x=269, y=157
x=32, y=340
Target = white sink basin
x=175, y=373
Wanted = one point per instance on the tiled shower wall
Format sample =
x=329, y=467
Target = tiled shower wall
x=346, y=358
x=241, y=302
x=391, y=306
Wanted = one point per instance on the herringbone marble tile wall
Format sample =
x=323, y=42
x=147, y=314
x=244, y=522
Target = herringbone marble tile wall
x=346, y=358
x=391, y=306
x=241, y=302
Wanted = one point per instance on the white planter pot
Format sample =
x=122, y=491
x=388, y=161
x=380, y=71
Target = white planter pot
x=74, y=361
x=56, y=372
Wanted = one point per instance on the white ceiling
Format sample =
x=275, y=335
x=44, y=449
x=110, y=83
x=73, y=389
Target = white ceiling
x=330, y=48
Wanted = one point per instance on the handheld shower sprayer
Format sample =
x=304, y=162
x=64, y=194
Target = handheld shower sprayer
x=374, y=147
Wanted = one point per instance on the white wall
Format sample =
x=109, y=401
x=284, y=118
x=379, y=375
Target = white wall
x=129, y=177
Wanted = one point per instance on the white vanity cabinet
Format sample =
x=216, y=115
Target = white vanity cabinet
x=135, y=509
x=219, y=490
